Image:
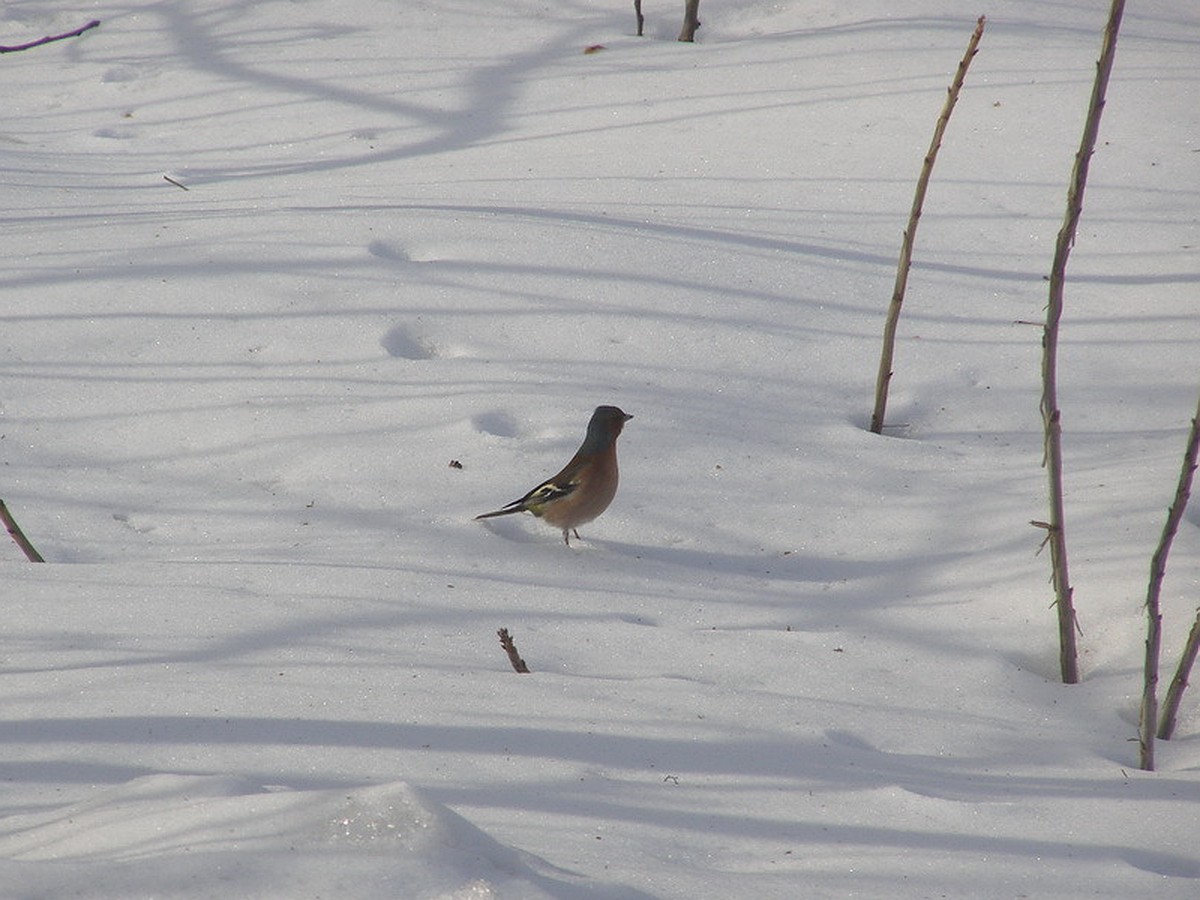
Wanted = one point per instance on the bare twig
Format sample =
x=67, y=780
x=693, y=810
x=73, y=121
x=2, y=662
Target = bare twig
x=510, y=648
x=1158, y=569
x=1051, y=414
x=180, y=185
x=56, y=37
x=1166, y=730
x=641, y=20
x=910, y=233
x=18, y=535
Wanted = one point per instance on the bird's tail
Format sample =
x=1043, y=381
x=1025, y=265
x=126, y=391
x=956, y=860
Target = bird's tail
x=505, y=511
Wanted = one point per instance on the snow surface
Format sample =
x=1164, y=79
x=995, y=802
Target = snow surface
x=794, y=659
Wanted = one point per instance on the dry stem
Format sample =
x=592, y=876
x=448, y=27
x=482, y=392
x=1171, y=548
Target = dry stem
x=18, y=535
x=910, y=233
x=46, y=40
x=1166, y=730
x=1158, y=569
x=510, y=648
x=1051, y=415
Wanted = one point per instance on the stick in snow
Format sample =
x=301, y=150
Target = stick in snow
x=1158, y=569
x=1064, y=601
x=17, y=535
x=910, y=233
x=1179, y=683
x=54, y=37
x=510, y=648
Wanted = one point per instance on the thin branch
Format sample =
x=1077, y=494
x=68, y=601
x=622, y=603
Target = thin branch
x=510, y=648
x=1148, y=713
x=1170, y=715
x=56, y=37
x=1158, y=569
x=884, y=377
x=1051, y=414
x=18, y=535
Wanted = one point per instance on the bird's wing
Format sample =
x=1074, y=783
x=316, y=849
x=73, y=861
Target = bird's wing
x=546, y=492
x=535, y=500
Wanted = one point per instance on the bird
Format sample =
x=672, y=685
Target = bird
x=585, y=486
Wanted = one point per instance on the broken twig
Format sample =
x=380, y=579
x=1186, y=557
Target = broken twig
x=510, y=648
x=18, y=536
x=51, y=38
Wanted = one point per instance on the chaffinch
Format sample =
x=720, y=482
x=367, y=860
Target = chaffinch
x=585, y=486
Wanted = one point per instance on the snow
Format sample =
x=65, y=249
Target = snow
x=793, y=659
